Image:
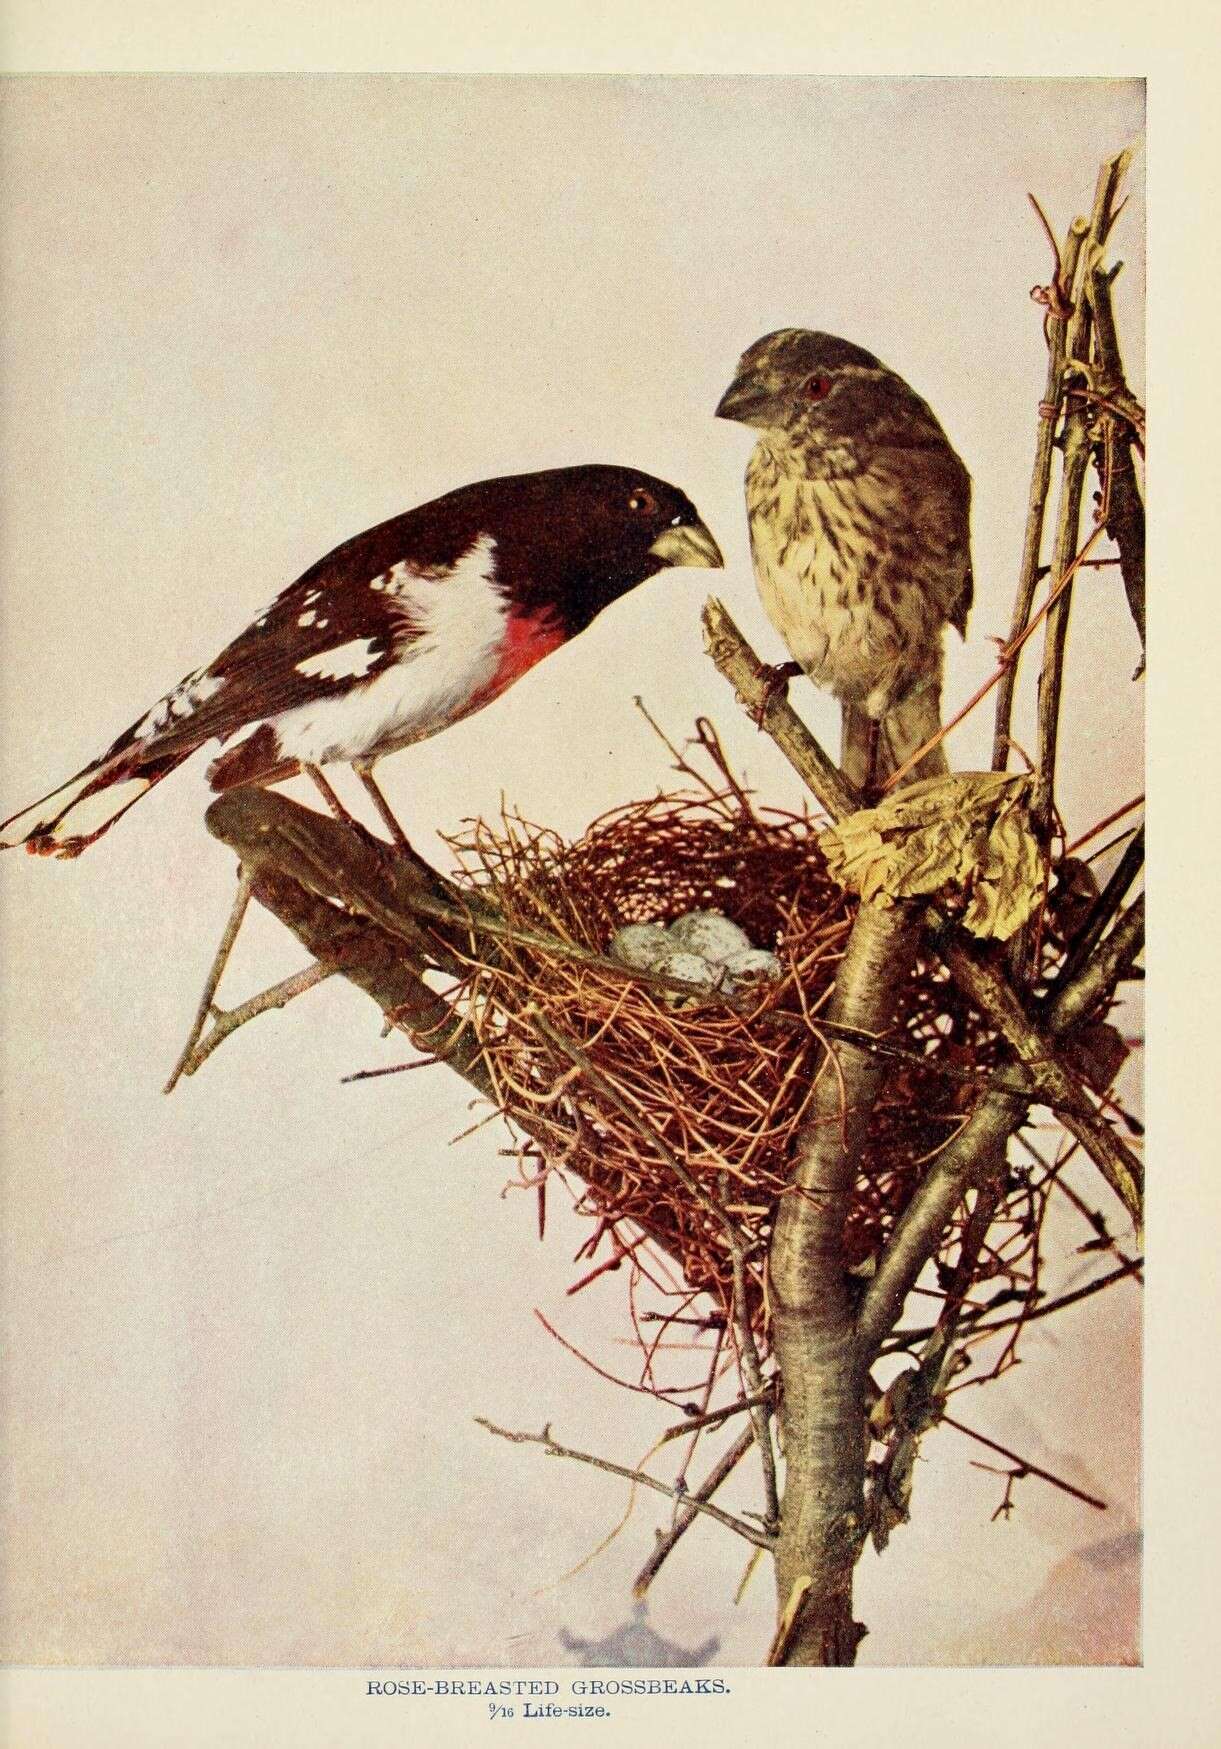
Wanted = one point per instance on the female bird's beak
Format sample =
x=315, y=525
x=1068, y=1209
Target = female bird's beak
x=747, y=401
x=689, y=544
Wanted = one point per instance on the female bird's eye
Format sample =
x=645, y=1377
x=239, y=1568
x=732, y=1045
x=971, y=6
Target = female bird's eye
x=817, y=387
x=643, y=502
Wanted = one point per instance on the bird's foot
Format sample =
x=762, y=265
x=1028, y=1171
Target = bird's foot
x=776, y=677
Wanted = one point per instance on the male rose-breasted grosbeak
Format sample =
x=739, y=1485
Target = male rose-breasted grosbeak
x=396, y=634
x=860, y=530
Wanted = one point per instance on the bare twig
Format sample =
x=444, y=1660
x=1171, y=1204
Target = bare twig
x=715, y=1417
x=212, y=982
x=987, y=987
x=748, y=676
x=1076, y=448
x=1095, y=983
x=1125, y=521
x=962, y=1162
x=1102, y=911
x=1025, y=1465
x=227, y=1020
x=1129, y=1270
x=689, y=1511
x=760, y=1400
x=552, y=1449
x=1100, y=826
x=1028, y=572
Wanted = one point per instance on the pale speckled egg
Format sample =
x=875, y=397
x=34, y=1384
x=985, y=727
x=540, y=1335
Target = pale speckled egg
x=755, y=963
x=689, y=968
x=640, y=945
x=709, y=934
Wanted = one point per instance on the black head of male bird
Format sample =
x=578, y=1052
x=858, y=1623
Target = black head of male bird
x=860, y=529
x=395, y=635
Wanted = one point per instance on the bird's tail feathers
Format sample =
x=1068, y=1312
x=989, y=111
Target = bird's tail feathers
x=913, y=722
x=76, y=815
x=872, y=750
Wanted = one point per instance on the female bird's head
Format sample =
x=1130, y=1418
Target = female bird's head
x=819, y=393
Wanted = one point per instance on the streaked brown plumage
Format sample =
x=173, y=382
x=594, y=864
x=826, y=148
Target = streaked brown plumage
x=860, y=529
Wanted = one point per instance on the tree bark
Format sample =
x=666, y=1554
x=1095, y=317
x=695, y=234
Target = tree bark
x=823, y=1409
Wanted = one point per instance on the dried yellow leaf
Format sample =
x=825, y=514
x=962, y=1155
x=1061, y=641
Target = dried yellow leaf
x=966, y=836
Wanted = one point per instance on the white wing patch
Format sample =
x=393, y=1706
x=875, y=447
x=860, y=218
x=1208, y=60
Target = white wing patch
x=176, y=706
x=351, y=661
x=458, y=617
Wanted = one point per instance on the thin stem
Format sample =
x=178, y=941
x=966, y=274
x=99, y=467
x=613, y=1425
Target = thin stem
x=1095, y=983
x=1102, y=911
x=212, y=981
x=553, y=1449
x=715, y=1417
x=1025, y=1465
x=1028, y=571
x=750, y=679
x=689, y=1511
x=227, y=1020
x=760, y=1411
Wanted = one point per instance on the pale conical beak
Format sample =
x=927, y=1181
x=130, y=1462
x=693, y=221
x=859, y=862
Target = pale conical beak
x=689, y=544
x=745, y=401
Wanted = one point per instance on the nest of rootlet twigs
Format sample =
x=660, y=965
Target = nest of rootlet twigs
x=642, y=1090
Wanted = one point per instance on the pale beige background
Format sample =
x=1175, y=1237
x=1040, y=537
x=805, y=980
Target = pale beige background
x=243, y=321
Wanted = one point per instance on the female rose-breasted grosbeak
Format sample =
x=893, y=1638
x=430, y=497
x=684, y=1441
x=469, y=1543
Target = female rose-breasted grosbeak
x=396, y=634
x=860, y=530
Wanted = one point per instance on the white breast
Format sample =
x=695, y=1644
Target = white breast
x=459, y=618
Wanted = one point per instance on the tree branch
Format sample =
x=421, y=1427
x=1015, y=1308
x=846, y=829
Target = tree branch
x=987, y=986
x=1076, y=448
x=552, y=1449
x=1102, y=911
x=1049, y=410
x=1025, y=1467
x=814, y=1335
x=300, y=863
x=1125, y=521
x=689, y=1511
x=963, y=1162
x=1095, y=983
x=227, y=1020
x=737, y=662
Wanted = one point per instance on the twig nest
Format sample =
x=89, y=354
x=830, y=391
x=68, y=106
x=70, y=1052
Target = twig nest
x=704, y=892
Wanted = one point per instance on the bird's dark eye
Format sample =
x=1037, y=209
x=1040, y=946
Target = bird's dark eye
x=642, y=502
x=817, y=387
